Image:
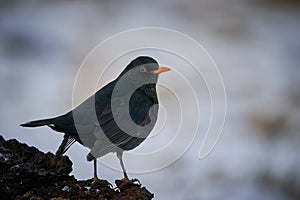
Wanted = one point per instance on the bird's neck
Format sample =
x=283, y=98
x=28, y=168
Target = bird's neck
x=150, y=90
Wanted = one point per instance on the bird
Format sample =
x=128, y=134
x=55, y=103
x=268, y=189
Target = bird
x=116, y=118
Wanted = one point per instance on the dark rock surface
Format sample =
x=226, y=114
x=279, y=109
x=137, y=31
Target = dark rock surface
x=27, y=173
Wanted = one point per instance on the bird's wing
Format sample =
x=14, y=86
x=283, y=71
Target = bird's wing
x=82, y=119
x=114, y=137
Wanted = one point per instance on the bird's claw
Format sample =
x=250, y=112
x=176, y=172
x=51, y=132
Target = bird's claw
x=133, y=181
x=126, y=181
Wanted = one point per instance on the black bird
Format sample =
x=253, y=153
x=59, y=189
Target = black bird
x=116, y=118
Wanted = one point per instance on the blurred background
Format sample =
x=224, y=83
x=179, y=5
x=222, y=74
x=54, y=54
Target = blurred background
x=255, y=43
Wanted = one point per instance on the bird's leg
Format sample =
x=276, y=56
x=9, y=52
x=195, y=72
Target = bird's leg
x=95, y=170
x=119, y=155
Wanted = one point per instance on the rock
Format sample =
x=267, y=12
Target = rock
x=27, y=173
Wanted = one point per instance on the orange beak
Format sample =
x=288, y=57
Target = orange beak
x=161, y=70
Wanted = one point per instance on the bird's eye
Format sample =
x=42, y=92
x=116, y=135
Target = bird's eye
x=143, y=69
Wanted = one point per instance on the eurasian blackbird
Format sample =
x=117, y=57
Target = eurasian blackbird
x=117, y=118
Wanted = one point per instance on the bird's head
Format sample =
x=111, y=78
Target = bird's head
x=143, y=68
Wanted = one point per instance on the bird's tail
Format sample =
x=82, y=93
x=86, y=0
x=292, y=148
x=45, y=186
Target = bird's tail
x=37, y=123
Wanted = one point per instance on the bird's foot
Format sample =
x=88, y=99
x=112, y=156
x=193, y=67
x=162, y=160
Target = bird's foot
x=134, y=181
x=126, y=183
x=96, y=179
x=100, y=183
